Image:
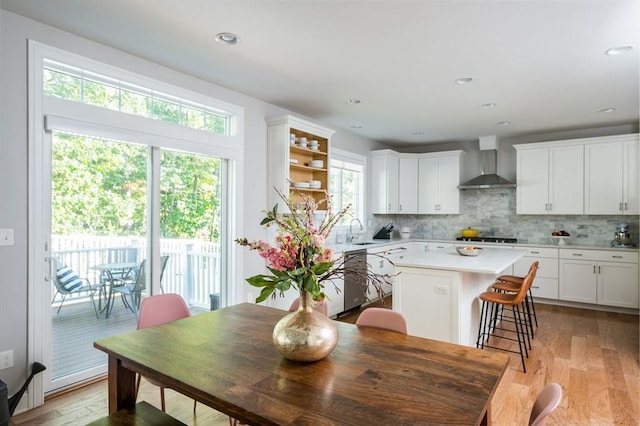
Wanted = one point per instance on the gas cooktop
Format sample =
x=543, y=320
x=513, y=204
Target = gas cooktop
x=489, y=239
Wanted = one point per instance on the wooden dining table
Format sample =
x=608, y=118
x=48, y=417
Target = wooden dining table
x=226, y=359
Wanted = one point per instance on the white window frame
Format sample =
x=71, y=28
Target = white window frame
x=361, y=160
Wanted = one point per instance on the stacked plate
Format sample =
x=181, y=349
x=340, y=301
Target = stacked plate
x=302, y=142
x=292, y=138
x=314, y=184
x=301, y=184
x=313, y=145
x=316, y=163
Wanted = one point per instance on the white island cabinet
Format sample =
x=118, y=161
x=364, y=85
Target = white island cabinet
x=438, y=291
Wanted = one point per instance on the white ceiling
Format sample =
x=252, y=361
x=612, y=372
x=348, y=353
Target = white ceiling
x=541, y=62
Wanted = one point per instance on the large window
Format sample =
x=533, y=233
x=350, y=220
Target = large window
x=346, y=184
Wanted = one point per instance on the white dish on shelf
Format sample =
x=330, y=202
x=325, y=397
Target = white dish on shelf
x=301, y=184
x=315, y=184
x=313, y=147
x=302, y=144
x=562, y=239
x=293, y=161
x=316, y=163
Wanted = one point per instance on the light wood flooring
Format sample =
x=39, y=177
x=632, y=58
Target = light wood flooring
x=593, y=355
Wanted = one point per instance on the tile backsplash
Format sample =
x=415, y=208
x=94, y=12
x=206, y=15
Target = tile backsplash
x=493, y=213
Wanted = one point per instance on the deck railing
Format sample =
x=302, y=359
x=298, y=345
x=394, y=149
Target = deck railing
x=193, y=268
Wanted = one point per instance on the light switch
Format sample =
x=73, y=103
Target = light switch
x=6, y=237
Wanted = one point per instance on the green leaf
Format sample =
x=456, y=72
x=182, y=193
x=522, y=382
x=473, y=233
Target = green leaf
x=321, y=268
x=260, y=280
x=264, y=294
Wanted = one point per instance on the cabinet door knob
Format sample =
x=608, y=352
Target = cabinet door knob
x=599, y=270
x=617, y=257
x=594, y=269
x=576, y=254
x=626, y=206
x=534, y=252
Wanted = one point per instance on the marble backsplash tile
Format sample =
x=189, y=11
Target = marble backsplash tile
x=493, y=213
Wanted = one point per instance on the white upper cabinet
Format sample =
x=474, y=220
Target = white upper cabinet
x=550, y=178
x=384, y=182
x=611, y=176
x=408, y=184
x=439, y=177
x=415, y=183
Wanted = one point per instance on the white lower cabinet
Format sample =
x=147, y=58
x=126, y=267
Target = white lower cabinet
x=382, y=261
x=545, y=284
x=335, y=294
x=597, y=276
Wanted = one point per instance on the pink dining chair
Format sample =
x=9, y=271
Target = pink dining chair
x=547, y=401
x=161, y=309
x=385, y=319
x=320, y=307
x=156, y=310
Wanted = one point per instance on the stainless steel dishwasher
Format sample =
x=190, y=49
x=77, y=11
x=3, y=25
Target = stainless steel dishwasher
x=355, y=264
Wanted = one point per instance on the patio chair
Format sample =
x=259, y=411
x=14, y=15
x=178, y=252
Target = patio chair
x=68, y=282
x=131, y=291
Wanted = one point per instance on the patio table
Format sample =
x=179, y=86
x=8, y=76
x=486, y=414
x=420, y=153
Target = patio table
x=112, y=274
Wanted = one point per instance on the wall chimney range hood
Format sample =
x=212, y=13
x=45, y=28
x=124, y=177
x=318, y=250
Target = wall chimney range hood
x=488, y=177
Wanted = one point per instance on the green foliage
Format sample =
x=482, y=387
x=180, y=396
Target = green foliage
x=99, y=187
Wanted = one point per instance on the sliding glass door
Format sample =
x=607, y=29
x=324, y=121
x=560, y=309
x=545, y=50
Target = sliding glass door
x=103, y=219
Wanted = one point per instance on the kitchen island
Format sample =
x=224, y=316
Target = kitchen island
x=438, y=291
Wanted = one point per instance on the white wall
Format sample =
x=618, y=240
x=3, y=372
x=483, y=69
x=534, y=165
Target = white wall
x=14, y=33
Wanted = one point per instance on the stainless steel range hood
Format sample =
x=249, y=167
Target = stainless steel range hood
x=488, y=177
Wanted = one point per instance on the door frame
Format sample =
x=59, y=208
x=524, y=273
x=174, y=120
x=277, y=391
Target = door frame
x=47, y=113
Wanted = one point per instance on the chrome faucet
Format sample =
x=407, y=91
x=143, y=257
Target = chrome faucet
x=350, y=234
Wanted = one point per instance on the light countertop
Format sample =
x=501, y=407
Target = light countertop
x=520, y=244
x=489, y=261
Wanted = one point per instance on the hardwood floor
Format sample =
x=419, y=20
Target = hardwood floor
x=593, y=355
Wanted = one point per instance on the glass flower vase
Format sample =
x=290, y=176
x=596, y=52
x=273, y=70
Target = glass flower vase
x=305, y=335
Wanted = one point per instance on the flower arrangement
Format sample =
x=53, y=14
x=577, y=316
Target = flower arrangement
x=299, y=258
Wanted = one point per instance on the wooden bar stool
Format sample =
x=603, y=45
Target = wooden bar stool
x=512, y=284
x=492, y=303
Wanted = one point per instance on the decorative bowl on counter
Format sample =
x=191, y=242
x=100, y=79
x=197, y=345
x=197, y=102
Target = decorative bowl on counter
x=469, y=250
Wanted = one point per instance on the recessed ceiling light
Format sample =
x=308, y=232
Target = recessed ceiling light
x=227, y=38
x=355, y=126
x=504, y=123
x=464, y=80
x=353, y=101
x=488, y=105
x=619, y=50
x=606, y=110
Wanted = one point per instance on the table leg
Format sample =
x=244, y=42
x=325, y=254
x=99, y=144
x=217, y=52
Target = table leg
x=122, y=386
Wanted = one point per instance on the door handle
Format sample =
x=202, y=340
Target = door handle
x=594, y=269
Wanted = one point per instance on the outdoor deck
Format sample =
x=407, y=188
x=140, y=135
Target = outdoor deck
x=75, y=329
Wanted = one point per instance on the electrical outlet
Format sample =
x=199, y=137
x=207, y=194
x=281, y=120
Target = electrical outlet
x=440, y=289
x=6, y=359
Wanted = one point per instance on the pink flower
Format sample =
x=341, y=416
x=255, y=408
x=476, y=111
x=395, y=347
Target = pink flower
x=325, y=256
